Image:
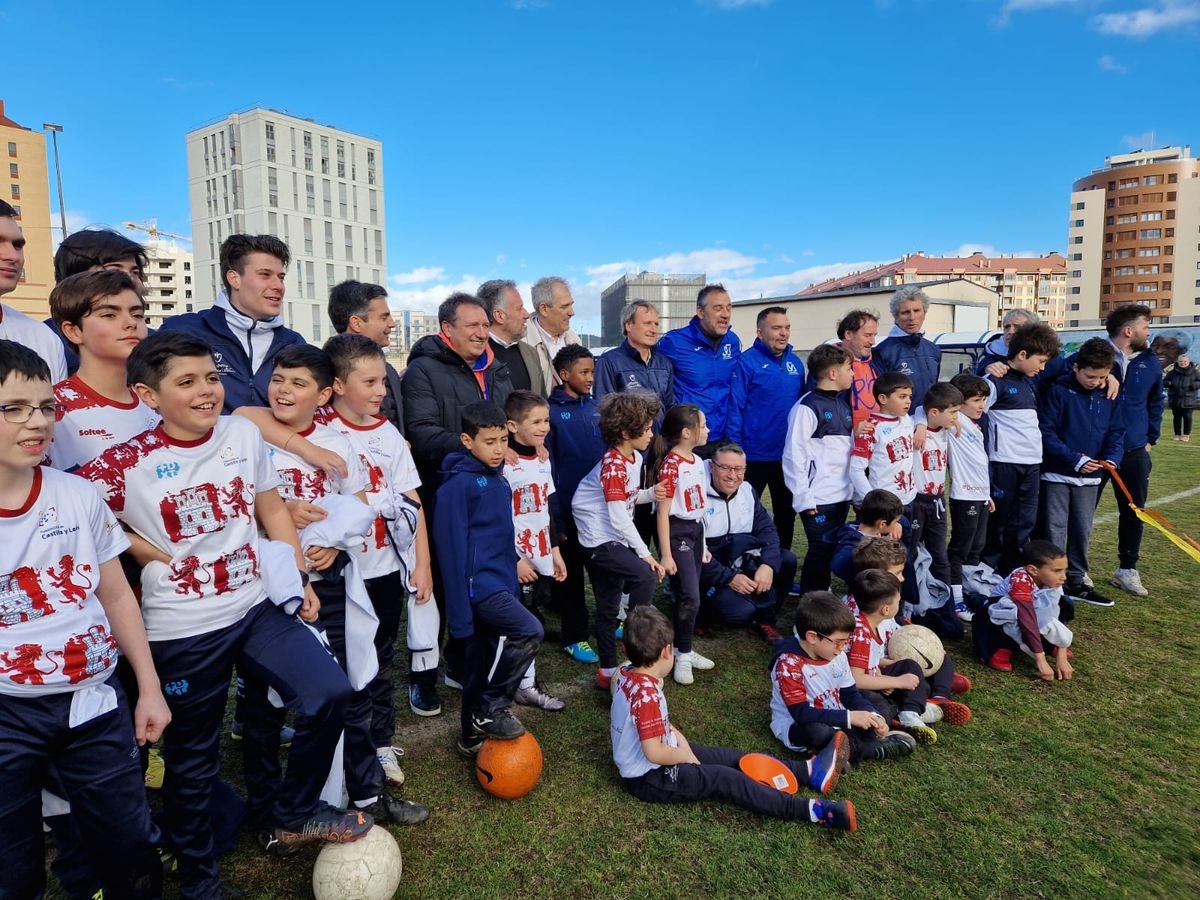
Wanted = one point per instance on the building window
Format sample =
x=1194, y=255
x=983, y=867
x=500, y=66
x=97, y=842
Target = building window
x=324, y=156
x=1126, y=235
x=272, y=188
x=1127, y=201
x=1074, y=307
x=1079, y=223
x=370, y=167
x=1077, y=206
x=15, y=190
x=341, y=159
x=310, y=193
x=1129, y=183
x=343, y=206
x=1150, y=234
x=1152, y=198
x=1151, y=217
x=1148, y=251
x=1152, y=179
x=1124, y=270
x=1077, y=273
x=373, y=205
x=308, y=238
x=12, y=149
x=12, y=171
x=1127, y=219
x=348, y=237
x=1144, y=270
x=1077, y=240
x=329, y=240
x=1148, y=287
x=326, y=197
x=1075, y=290
x=1076, y=257
x=316, y=322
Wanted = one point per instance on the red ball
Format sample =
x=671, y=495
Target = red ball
x=509, y=769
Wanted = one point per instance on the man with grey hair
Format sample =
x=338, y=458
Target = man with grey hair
x=508, y=320
x=996, y=350
x=906, y=349
x=637, y=365
x=553, y=308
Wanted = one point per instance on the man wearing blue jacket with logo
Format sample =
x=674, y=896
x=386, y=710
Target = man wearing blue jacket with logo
x=906, y=349
x=244, y=327
x=768, y=379
x=704, y=352
x=637, y=364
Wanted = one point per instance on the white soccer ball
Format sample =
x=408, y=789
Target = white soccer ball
x=366, y=869
x=918, y=643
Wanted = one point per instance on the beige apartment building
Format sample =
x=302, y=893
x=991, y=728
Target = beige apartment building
x=169, y=283
x=27, y=189
x=1038, y=283
x=1134, y=237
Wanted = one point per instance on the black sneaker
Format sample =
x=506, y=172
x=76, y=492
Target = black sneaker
x=423, y=699
x=328, y=825
x=894, y=746
x=501, y=724
x=399, y=812
x=1089, y=595
x=469, y=745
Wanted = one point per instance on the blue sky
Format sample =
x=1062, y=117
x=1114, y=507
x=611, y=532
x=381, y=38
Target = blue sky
x=768, y=142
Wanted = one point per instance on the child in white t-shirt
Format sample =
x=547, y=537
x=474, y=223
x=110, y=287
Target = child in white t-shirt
x=970, y=485
x=882, y=457
x=929, y=516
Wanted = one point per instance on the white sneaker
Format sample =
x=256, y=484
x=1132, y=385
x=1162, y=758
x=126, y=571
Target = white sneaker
x=703, y=663
x=1129, y=581
x=963, y=611
x=389, y=758
x=933, y=713
x=683, y=670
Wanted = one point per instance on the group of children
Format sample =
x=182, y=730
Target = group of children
x=289, y=543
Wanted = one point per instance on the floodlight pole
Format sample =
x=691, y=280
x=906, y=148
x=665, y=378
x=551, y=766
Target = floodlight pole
x=62, y=209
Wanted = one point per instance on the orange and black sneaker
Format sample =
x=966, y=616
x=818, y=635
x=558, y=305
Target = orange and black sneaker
x=953, y=712
x=328, y=825
x=960, y=684
x=834, y=814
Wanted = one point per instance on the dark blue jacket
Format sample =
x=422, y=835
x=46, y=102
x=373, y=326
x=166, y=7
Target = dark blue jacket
x=1077, y=423
x=574, y=443
x=913, y=355
x=244, y=386
x=725, y=549
x=765, y=388
x=703, y=372
x=1141, y=399
x=846, y=538
x=473, y=533
x=622, y=369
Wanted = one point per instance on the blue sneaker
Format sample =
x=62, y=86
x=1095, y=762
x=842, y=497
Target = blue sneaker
x=620, y=632
x=581, y=651
x=963, y=611
x=827, y=766
x=834, y=814
x=286, y=734
x=423, y=699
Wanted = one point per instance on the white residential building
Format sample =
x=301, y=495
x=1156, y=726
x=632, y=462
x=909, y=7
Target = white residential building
x=169, y=283
x=317, y=188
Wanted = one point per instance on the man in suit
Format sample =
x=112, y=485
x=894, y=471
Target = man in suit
x=358, y=308
x=553, y=308
x=508, y=320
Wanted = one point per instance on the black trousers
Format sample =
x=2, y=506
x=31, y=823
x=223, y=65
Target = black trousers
x=567, y=596
x=506, y=639
x=615, y=569
x=687, y=549
x=968, y=535
x=725, y=606
x=389, y=597
x=901, y=699
x=1015, y=491
x=764, y=475
x=1135, y=472
x=819, y=528
x=1181, y=418
x=929, y=527
x=814, y=737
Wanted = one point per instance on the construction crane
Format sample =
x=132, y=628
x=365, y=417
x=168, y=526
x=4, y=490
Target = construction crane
x=150, y=226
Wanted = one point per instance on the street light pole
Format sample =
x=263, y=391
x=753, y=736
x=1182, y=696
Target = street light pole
x=62, y=209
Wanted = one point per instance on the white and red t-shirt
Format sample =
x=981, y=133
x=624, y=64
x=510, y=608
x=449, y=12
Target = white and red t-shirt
x=796, y=678
x=930, y=468
x=604, y=501
x=887, y=452
x=389, y=467
x=969, y=478
x=638, y=713
x=299, y=480
x=532, y=484
x=868, y=645
x=54, y=634
x=685, y=482
x=194, y=500
x=91, y=423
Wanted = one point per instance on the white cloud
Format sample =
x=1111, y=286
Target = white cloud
x=501, y=258
x=78, y=220
x=751, y=287
x=1022, y=6
x=426, y=299
x=1140, y=23
x=419, y=275
x=713, y=260
x=1109, y=64
x=1143, y=141
x=968, y=249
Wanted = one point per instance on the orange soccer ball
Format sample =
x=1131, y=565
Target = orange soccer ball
x=509, y=769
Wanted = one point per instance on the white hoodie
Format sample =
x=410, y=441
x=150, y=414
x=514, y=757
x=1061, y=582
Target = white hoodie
x=255, y=335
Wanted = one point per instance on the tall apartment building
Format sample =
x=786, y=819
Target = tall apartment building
x=674, y=295
x=1134, y=236
x=411, y=326
x=169, y=283
x=317, y=188
x=1038, y=283
x=27, y=189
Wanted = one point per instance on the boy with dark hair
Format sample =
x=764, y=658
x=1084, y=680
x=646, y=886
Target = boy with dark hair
x=814, y=700
x=1027, y=611
x=816, y=459
x=102, y=315
x=197, y=488
x=658, y=765
x=244, y=326
x=575, y=447
x=970, y=486
x=15, y=325
x=878, y=516
x=359, y=308
x=882, y=457
x=1015, y=445
x=941, y=405
x=65, y=597
x=477, y=550
x=617, y=559
x=1082, y=432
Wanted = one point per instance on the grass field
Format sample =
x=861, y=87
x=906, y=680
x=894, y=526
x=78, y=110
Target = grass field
x=1089, y=788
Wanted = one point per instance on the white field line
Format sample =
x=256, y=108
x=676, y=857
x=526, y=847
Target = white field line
x=1161, y=501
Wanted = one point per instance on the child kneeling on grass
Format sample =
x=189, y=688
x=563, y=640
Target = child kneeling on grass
x=658, y=765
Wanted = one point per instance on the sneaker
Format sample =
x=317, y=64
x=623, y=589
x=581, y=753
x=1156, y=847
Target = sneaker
x=581, y=651
x=682, y=672
x=155, y=770
x=389, y=759
x=825, y=768
x=328, y=825
x=932, y=714
x=895, y=745
x=702, y=663
x=834, y=814
x=913, y=724
x=1087, y=581
x=501, y=724
x=796, y=590
x=960, y=684
x=953, y=712
x=1129, y=581
x=535, y=696
x=423, y=699
x=603, y=682
x=469, y=745
x=620, y=632
x=287, y=733
x=766, y=632
x=451, y=682
x=399, y=812
x=1001, y=660
x=1089, y=595
x=963, y=611
x=169, y=861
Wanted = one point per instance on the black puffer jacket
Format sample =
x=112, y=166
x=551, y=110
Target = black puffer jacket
x=1183, y=387
x=437, y=385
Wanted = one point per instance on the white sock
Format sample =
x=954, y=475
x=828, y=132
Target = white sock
x=812, y=810
x=608, y=673
x=363, y=804
x=956, y=592
x=527, y=681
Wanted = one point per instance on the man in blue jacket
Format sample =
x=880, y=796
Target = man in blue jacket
x=906, y=349
x=704, y=352
x=637, y=364
x=244, y=327
x=768, y=379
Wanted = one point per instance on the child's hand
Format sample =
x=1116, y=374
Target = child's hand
x=897, y=530
x=510, y=457
x=526, y=573
x=1044, y=671
x=326, y=460
x=919, y=435
x=560, y=567
x=907, y=682
x=542, y=453
x=1063, y=665
x=861, y=718
x=659, y=571
x=422, y=583
x=304, y=513
x=668, y=564
x=320, y=558
x=311, y=607
x=997, y=369
x=706, y=558
x=991, y=505
x=866, y=426
x=660, y=491
x=150, y=717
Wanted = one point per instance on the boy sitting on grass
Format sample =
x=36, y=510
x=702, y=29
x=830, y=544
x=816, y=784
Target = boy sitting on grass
x=658, y=765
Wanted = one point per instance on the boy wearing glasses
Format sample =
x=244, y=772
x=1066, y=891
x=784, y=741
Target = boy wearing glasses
x=813, y=694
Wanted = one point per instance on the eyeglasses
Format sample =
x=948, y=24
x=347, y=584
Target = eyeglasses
x=837, y=642
x=20, y=413
x=731, y=470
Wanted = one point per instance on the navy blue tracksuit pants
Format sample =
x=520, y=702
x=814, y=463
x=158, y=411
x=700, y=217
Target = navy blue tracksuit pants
x=819, y=529
x=1015, y=491
x=275, y=648
x=97, y=766
x=725, y=606
x=507, y=637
